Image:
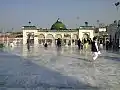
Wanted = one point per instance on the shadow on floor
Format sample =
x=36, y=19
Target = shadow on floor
x=111, y=58
x=84, y=59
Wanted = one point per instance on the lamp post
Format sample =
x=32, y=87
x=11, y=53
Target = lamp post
x=77, y=25
x=98, y=23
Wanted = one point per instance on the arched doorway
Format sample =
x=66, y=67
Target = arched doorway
x=41, y=39
x=86, y=36
x=57, y=36
x=67, y=39
x=49, y=39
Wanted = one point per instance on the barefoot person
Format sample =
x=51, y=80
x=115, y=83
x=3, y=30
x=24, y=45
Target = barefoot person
x=94, y=48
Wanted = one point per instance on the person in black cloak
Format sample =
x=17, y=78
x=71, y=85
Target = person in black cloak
x=58, y=42
x=45, y=45
x=107, y=44
x=79, y=44
x=28, y=42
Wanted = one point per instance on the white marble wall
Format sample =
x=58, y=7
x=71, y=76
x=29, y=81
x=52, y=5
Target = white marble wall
x=79, y=34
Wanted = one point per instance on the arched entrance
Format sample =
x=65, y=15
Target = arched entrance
x=41, y=39
x=49, y=39
x=57, y=36
x=86, y=36
x=67, y=39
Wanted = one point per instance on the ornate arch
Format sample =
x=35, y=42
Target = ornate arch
x=41, y=36
x=49, y=36
x=58, y=36
x=86, y=35
x=67, y=36
x=75, y=36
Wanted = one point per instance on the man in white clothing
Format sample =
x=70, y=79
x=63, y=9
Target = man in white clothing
x=94, y=48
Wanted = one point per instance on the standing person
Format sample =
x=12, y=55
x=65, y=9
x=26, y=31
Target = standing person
x=28, y=47
x=94, y=48
x=45, y=45
x=79, y=44
x=85, y=44
x=101, y=44
x=28, y=44
x=58, y=42
x=107, y=44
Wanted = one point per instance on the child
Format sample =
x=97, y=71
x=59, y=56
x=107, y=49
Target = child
x=94, y=48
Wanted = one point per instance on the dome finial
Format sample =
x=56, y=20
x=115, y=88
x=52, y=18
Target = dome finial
x=58, y=20
x=58, y=25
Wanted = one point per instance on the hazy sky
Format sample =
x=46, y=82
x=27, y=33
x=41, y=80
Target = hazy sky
x=43, y=13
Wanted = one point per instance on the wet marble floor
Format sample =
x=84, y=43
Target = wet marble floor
x=58, y=69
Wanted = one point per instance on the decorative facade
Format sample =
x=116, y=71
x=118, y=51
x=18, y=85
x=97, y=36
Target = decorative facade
x=58, y=30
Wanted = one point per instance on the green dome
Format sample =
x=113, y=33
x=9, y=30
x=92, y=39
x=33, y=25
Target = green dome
x=58, y=25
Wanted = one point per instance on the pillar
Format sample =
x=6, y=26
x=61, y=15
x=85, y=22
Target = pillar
x=24, y=37
x=7, y=40
x=24, y=40
x=71, y=42
x=45, y=38
x=35, y=40
x=67, y=41
x=53, y=42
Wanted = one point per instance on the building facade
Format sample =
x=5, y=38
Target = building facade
x=58, y=30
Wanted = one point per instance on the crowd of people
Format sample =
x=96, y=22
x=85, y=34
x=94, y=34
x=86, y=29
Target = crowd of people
x=95, y=45
x=85, y=43
x=98, y=44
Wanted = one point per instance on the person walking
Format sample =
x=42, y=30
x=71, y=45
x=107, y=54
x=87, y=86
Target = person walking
x=94, y=48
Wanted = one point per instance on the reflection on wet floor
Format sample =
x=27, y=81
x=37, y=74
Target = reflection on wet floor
x=69, y=61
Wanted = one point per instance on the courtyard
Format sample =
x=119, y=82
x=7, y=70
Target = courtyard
x=50, y=68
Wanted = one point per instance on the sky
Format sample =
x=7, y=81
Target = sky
x=43, y=13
